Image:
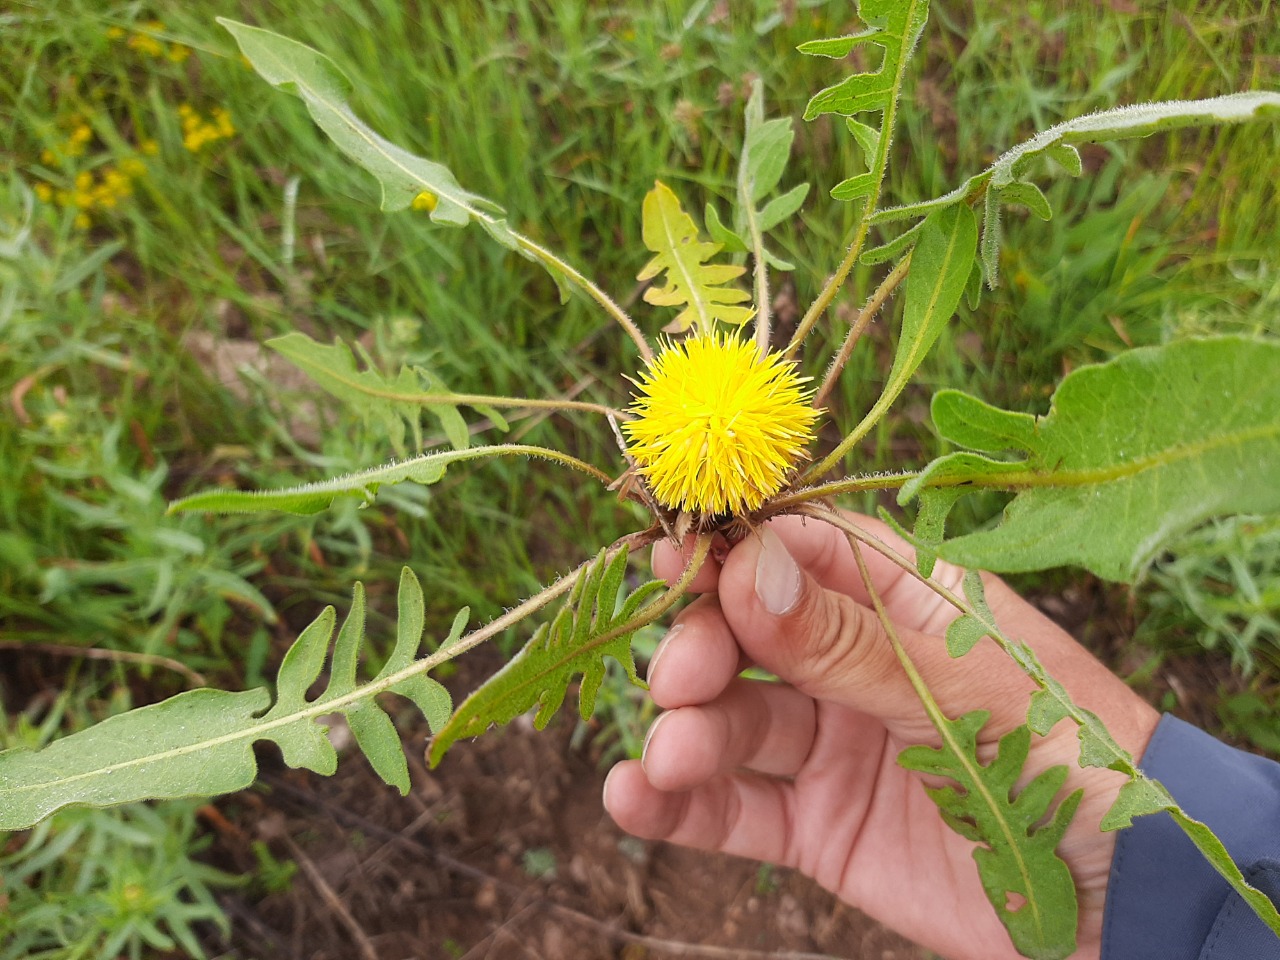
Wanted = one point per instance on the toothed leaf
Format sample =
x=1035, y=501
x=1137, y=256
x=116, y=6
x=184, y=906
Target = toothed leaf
x=593, y=623
x=1131, y=452
x=200, y=743
x=691, y=282
x=1016, y=859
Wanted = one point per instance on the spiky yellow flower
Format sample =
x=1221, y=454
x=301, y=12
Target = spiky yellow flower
x=717, y=428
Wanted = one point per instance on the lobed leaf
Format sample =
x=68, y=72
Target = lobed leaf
x=692, y=282
x=389, y=404
x=766, y=147
x=318, y=82
x=312, y=498
x=594, y=622
x=200, y=743
x=895, y=26
x=1017, y=831
x=1005, y=181
x=1141, y=795
x=1131, y=452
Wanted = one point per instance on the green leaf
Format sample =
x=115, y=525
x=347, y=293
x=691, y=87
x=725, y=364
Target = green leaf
x=783, y=207
x=386, y=403
x=973, y=423
x=1015, y=857
x=200, y=743
x=312, y=498
x=895, y=26
x=691, y=282
x=940, y=269
x=1030, y=196
x=930, y=527
x=318, y=82
x=855, y=188
x=766, y=147
x=1005, y=181
x=721, y=234
x=964, y=632
x=837, y=48
x=594, y=622
x=1051, y=703
x=1132, y=452
x=892, y=249
x=868, y=137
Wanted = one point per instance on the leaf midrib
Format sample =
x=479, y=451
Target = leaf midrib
x=1088, y=476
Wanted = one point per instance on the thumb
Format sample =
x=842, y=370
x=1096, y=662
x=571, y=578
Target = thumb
x=829, y=646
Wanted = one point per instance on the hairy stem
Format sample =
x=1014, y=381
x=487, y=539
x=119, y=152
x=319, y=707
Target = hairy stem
x=764, y=316
x=879, y=168
x=860, y=324
x=578, y=279
x=939, y=719
x=652, y=610
x=805, y=495
x=1121, y=760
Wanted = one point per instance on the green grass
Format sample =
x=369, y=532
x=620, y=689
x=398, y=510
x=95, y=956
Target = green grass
x=565, y=112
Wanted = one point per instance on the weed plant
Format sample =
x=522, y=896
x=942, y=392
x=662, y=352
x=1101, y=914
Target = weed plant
x=159, y=216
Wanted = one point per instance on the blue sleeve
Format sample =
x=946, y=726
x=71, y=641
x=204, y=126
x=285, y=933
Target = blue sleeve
x=1164, y=901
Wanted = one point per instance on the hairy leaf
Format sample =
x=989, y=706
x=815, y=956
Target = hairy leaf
x=1131, y=452
x=200, y=743
x=1015, y=858
x=312, y=498
x=318, y=82
x=593, y=623
x=1141, y=795
x=391, y=404
x=766, y=148
x=940, y=267
x=1006, y=181
x=692, y=282
x=895, y=27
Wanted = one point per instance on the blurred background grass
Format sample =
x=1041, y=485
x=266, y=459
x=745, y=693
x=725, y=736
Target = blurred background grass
x=162, y=212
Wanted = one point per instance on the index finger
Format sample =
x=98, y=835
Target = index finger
x=669, y=562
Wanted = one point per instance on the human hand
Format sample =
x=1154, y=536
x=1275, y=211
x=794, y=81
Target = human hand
x=804, y=774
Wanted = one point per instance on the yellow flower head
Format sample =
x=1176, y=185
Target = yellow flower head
x=717, y=428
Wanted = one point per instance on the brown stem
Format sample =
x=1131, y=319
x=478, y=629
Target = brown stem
x=860, y=324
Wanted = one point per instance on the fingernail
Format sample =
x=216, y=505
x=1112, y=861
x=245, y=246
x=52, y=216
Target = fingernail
x=657, y=654
x=777, y=576
x=648, y=737
x=604, y=791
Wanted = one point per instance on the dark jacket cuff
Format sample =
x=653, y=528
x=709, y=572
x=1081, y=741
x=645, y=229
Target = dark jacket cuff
x=1164, y=900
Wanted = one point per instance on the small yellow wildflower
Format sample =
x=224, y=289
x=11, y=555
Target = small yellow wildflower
x=115, y=33
x=95, y=190
x=198, y=131
x=718, y=429
x=426, y=200
x=145, y=43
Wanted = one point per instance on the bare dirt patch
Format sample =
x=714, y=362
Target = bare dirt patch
x=505, y=851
